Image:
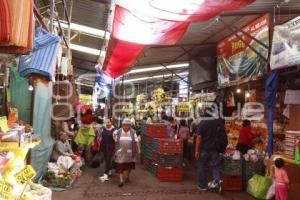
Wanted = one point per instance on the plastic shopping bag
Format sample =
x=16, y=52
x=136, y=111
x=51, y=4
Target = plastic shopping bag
x=271, y=191
x=258, y=186
x=65, y=162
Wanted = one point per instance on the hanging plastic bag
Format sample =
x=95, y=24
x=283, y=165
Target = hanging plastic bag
x=271, y=191
x=258, y=186
x=297, y=155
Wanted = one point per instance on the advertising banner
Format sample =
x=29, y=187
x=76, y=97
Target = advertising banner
x=286, y=45
x=236, y=62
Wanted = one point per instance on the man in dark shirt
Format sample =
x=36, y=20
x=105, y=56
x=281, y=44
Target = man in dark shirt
x=206, y=152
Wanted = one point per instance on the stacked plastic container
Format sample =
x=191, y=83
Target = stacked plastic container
x=162, y=156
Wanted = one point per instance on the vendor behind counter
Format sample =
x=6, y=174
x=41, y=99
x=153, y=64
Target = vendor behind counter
x=246, y=137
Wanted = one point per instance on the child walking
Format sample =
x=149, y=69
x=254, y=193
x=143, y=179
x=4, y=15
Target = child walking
x=281, y=179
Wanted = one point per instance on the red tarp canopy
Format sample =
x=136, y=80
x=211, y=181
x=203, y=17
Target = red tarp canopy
x=139, y=23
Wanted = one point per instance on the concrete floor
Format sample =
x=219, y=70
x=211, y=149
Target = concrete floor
x=143, y=186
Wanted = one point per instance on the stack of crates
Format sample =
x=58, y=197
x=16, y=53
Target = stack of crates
x=232, y=174
x=168, y=156
x=149, y=133
x=161, y=156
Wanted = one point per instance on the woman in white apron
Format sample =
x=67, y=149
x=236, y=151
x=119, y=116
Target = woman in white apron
x=127, y=148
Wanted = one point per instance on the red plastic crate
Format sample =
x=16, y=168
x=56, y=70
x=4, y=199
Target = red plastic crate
x=232, y=183
x=155, y=156
x=169, y=174
x=157, y=131
x=169, y=146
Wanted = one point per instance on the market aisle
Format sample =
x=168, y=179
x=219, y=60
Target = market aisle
x=143, y=186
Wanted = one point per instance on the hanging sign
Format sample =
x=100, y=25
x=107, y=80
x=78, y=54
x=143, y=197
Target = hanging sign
x=286, y=45
x=183, y=107
x=27, y=174
x=5, y=190
x=236, y=62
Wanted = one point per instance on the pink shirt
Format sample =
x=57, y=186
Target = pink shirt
x=281, y=176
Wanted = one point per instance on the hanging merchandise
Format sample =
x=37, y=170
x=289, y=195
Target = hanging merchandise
x=138, y=23
x=286, y=45
x=43, y=58
x=237, y=62
x=5, y=22
x=64, y=66
x=42, y=127
x=21, y=40
x=19, y=87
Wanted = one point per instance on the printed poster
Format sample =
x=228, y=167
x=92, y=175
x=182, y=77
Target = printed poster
x=236, y=62
x=286, y=45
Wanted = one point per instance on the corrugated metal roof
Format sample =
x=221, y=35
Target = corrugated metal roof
x=93, y=13
x=211, y=32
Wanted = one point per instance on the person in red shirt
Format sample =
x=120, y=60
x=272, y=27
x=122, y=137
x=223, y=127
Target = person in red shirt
x=246, y=137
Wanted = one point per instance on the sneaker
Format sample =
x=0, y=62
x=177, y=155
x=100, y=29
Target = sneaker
x=202, y=189
x=104, y=178
x=216, y=185
x=220, y=186
x=213, y=184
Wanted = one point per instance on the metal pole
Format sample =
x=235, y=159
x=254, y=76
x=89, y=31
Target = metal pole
x=69, y=30
x=174, y=73
x=39, y=17
x=245, y=33
x=51, y=15
x=66, y=11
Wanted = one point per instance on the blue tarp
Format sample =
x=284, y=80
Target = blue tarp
x=42, y=126
x=42, y=60
x=271, y=90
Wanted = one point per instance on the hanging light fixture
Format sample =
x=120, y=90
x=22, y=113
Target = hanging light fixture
x=248, y=94
x=238, y=90
x=30, y=88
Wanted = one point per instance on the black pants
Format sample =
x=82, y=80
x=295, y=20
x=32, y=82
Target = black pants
x=242, y=148
x=108, y=162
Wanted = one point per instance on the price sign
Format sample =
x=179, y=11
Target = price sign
x=27, y=174
x=5, y=190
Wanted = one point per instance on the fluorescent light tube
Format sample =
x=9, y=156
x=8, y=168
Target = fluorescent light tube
x=153, y=77
x=159, y=67
x=84, y=29
x=87, y=50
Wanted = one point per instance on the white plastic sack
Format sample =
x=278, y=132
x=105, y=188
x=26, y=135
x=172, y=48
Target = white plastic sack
x=65, y=162
x=53, y=167
x=271, y=191
x=236, y=155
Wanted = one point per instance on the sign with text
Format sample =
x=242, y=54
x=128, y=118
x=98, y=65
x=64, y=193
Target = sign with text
x=27, y=174
x=286, y=45
x=236, y=62
x=5, y=190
